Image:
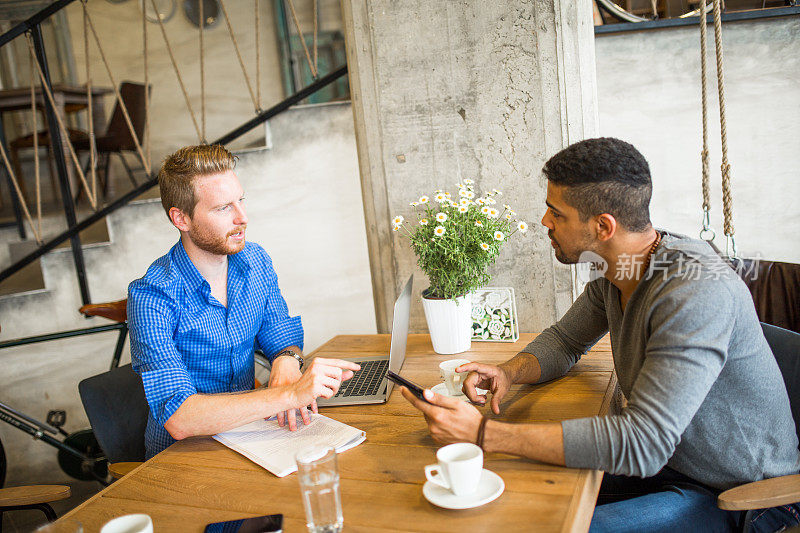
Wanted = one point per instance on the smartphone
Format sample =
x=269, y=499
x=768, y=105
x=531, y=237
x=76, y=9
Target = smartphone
x=415, y=389
x=260, y=524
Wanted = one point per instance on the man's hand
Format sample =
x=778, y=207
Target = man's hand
x=323, y=377
x=449, y=419
x=285, y=371
x=490, y=377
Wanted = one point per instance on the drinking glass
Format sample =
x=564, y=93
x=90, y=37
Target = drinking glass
x=318, y=474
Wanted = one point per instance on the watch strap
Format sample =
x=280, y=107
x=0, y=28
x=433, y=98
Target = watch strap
x=291, y=353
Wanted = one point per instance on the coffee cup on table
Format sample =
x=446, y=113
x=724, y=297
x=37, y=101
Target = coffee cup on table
x=452, y=379
x=459, y=468
x=129, y=523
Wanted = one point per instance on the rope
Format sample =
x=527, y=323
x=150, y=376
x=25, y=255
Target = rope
x=704, y=89
x=177, y=73
x=302, y=39
x=314, y=46
x=202, y=20
x=19, y=192
x=37, y=170
x=727, y=201
x=146, y=85
x=239, y=55
x=122, y=106
x=63, y=129
x=258, y=59
x=92, y=146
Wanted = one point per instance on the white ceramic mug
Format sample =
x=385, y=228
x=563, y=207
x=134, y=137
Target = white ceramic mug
x=129, y=523
x=459, y=468
x=451, y=378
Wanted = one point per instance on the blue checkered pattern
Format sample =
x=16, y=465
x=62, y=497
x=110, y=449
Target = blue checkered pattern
x=183, y=341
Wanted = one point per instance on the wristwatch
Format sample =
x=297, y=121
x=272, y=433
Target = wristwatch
x=291, y=353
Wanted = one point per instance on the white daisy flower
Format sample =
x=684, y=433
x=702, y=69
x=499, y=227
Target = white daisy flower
x=414, y=204
x=494, y=213
x=423, y=222
x=485, y=210
x=423, y=199
x=466, y=194
x=491, y=201
x=440, y=197
x=506, y=206
x=395, y=228
x=451, y=203
x=464, y=201
x=441, y=217
x=480, y=201
x=479, y=223
x=496, y=191
x=463, y=209
x=499, y=235
x=484, y=246
x=469, y=182
x=447, y=194
x=509, y=216
x=438, y=231
x=522, y=226
x=398, y=220
x=460, y=185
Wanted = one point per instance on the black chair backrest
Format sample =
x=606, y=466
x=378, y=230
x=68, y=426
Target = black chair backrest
x=117, y=409
x=785, y=346
x=133, y=94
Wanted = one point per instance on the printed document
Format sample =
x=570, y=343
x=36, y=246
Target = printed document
x=273, y=447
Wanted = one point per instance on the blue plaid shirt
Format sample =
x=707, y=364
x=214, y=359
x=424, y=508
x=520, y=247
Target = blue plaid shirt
x=183, y=341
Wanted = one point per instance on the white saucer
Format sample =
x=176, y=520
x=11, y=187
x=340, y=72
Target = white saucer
x=489, y=488
x=441, y=388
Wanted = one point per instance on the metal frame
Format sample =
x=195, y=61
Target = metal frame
x=693, y=21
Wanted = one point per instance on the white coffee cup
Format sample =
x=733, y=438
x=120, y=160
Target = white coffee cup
x=451, y=378
x=129, y=523
x=459, y=468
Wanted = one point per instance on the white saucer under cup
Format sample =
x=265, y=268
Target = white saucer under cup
x=490, y=487
x=459, y=468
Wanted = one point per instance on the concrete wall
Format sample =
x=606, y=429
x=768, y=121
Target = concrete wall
x=304, y=205
x=649, y=94
x=484, y=90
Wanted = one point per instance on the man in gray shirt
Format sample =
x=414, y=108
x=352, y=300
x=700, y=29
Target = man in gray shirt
x=707, y=407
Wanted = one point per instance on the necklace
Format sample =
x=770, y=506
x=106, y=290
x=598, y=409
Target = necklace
x=651, y=251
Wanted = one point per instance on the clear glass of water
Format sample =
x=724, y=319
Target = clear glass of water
x=318, y=474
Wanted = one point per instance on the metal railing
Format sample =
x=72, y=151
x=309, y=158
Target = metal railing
x=32, y=26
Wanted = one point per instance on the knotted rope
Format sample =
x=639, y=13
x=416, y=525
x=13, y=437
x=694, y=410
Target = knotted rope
x=178, y=74
x=302, y=40
x=239, y=56
x=727, y=200
x=202, y=19
x=63, y=129
x=121, y=103
x=36, y=169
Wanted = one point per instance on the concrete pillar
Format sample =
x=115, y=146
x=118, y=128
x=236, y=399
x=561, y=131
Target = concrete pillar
x=449, y=90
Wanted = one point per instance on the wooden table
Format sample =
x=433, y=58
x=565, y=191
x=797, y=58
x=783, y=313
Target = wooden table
x=198, y=481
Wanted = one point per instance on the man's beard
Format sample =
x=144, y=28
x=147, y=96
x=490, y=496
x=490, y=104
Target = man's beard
x=565, y=257
x=216, y=245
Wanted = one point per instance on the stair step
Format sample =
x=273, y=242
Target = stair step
x=29, y=279
x=95, y=235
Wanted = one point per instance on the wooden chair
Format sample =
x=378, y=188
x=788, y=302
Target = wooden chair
x=32, y=497
x=782, y=490
x=116, y=139
x=116, y=311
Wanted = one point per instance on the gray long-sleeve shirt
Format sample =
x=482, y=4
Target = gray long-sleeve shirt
x=705, y=395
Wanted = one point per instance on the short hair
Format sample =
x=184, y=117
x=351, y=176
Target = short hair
x=604, y=175
x=179, y=170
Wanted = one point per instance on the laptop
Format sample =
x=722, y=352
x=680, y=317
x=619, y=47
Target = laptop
x=369, y=385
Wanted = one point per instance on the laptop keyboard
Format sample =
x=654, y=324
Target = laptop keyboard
x=366, y=381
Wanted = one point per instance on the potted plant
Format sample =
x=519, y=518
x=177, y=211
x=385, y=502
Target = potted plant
x=456, y=240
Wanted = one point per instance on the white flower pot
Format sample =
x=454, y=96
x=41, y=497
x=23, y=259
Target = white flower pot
x=449, y=323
